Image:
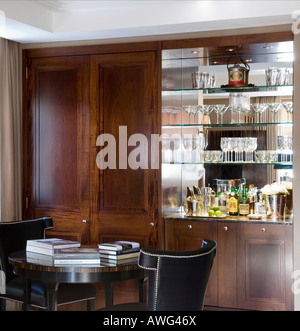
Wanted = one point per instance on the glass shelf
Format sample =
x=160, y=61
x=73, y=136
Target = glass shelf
x=226, y=125
x=211, y=90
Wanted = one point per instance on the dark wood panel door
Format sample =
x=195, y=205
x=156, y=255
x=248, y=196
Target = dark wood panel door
x=227, y=264
x=124, y=184
x=264, y=267
x=188, y=235
x=57, y=150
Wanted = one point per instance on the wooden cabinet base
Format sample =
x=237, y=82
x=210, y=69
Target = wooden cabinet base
x=264, y=264
x=253, y=266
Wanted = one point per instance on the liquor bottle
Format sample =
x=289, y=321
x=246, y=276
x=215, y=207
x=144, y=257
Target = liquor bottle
x=197, y=195
x=222, y=202
x=244, y=205
x=227, y=193
x=240, y=190
x=252, y=198
x=260, y=207
x=233, y=201
x=189, y=197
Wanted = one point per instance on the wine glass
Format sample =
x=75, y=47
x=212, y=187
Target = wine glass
x=220, y=110
x=188, y=145
x=288, y=106
x=198, y=145
x=241, y=148
x=233, y=148
x=224, y=144
x=190, y=110
x=290, y=147
x=274, y=109
x=251, y=145
x=283, y=143
x=259, y=109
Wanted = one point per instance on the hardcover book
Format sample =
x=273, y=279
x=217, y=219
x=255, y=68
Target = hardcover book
x=74, y=256
x=47, y=246
x=121, y=252
x=119, y=257
x=118, y=245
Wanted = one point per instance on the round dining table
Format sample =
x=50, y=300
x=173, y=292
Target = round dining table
x=52, y=275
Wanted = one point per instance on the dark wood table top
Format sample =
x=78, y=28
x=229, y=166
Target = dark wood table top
x=72, y=273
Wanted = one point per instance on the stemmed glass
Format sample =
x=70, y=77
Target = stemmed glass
x=290, y=147
x=274, y=108
x=220, y=110
x=190, y=110
x=224, y=144
x=251, y=147
x=240, y=148
x=188, y=145
x=288, y=106
x=259, y=109
x=199, y=145
x=233, y=148
x=284, y=144
x=280, y=146
x=194, y=111
x=244, y=111
x=206, y=110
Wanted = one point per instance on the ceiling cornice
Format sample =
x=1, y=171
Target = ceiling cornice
x=33, y=21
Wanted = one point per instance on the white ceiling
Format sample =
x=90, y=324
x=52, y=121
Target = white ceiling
x=29, y=21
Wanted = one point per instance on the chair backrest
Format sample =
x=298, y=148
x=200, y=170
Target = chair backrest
x=178, y=280
x=13, y=238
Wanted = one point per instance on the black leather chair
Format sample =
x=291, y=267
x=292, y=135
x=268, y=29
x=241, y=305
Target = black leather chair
x=13, y=237
x=177, y=281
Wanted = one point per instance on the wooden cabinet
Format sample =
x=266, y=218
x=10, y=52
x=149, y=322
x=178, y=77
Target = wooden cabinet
x=253, y=265
x=71, y=96
x=57, y=143
x=188, y=235
x=124, y=105
x=264, y=266
x=227, y=260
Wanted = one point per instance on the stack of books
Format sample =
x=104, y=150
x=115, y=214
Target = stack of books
x=57, y=252
x=119, y=252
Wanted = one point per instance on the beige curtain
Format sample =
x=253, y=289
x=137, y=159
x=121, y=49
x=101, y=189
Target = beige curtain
x=10, y=132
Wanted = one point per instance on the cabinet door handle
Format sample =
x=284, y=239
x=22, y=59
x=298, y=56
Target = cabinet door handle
x=189, y=226
x=151, y=224
x=263, y=229
x=225, y=228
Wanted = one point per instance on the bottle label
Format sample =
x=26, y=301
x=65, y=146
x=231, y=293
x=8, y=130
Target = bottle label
x=233, y=205
x=244, y=209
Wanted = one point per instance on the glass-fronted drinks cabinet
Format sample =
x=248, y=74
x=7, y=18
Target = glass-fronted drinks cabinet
x=227, y=119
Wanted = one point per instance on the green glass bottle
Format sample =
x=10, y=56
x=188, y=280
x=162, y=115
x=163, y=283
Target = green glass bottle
x=233, y=201
x=244, y=205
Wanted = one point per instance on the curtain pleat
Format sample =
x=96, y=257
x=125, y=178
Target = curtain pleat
x=10, y=132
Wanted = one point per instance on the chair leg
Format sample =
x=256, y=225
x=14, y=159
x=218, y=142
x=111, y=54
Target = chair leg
x=2, y=304
x=90, y=305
